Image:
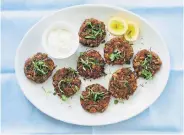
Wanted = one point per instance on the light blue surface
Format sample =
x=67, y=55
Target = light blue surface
x=20, y=116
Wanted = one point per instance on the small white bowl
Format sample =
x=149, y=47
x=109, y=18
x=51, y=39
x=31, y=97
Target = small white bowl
x=74, y=41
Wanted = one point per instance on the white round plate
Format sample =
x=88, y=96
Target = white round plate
x=71, y=110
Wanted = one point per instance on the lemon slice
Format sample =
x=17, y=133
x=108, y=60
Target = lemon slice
x=117, y=26
x=133, y=32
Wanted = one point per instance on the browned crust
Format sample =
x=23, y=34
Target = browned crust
x=69, y=89
x=83, y=33
x=29, y=68
x=140, y=57
x=123, y=46
x=123, y=83
x=97, y=70
x=92, y=106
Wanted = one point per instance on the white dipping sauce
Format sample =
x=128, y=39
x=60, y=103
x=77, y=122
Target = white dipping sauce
x=59, y=41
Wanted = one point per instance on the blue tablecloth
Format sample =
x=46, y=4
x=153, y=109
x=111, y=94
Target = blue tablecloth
x=20, y=116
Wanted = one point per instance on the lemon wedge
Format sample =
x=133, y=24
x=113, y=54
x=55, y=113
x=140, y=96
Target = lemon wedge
x=117, y=26
x=133, y=32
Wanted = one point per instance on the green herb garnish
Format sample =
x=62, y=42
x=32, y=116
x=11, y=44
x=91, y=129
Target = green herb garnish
x=125, y=83
x=116, y=101
x=147, y=61
x=81, y=53
x=146, y=74
x=97, y=96
x=89, y=62
x=40, y=67
x=63, y=83
x=90, y=37
x=74, y=72
x=115, y=55
x=93, y=31
x=63, y=97
x=146, y=65
x=93, y=61
x=89, y=24
x=127, y=62
x=82, y=97
x=75, y=89
x=85, y=64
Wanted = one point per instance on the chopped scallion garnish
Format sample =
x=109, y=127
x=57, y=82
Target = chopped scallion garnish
x=63, y=97
x=116, y=101
x=40, y=67
x=115, y=55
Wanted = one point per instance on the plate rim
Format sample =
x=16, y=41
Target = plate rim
x=92, y=5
